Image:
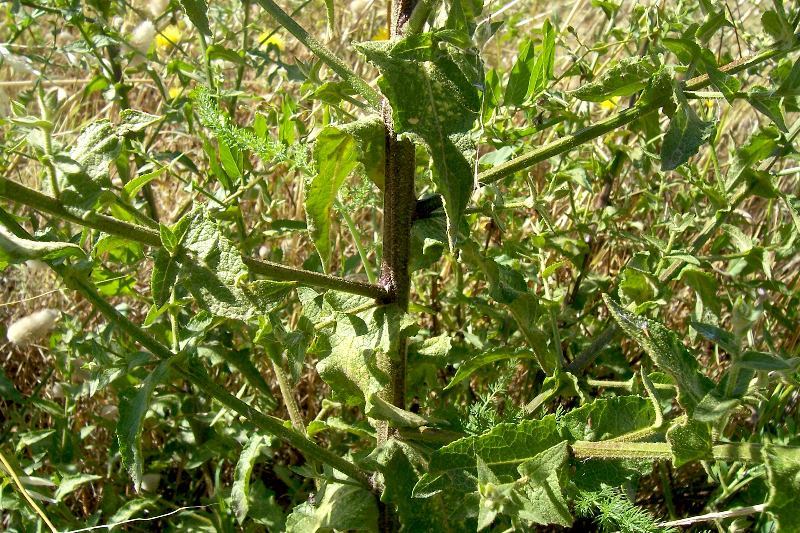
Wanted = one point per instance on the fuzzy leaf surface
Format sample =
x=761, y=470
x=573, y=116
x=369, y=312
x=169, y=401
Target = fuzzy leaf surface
x=667, y=352
x=430, y=85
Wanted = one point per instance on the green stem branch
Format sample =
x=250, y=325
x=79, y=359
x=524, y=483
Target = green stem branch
x=17, y=193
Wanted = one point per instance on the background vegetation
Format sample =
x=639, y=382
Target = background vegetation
x=602, y=329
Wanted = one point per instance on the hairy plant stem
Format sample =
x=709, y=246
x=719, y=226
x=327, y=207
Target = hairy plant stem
x=20, y=194
x=289, y=401
x=323, y=52
x=660, y=451
x=399, y=201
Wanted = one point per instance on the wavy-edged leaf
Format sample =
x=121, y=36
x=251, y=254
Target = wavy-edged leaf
x=217, y=277
x=667, y=352
x=624, y=78
x=431, y=86
x=686, y=134
x=502, y=448
x=133, y=406
x=544, y=492
x=783, y=475
x=603, y=419
x=240, y=492
x=402, y=466
x=689, y=441
x=336, y=156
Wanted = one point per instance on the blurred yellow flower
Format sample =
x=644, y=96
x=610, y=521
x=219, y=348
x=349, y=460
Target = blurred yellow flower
x=168, y=37
x=265, y=39
x=381, y=35
x=174, y=92
x=610, y=104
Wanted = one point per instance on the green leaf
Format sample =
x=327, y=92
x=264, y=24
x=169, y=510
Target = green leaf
x=509, y=287
x=519, y=79
x=95, y=148
x=70, y=484
x=607, y=418
x=134, y=121
x=336, y=156
x=133, y=405
x=402, y=467
x=623, y=78
x=163, y=277
x=197, y=11
x=168, y=238
x=352, y=369
x=770, y=106
x=724, y=339
x=705, y=285
x=240, y=492
x=667, y=352
x=14, y=250
x=218, y=278
x=431, y=86
x=689, y=441
x=532, y=69
x=767, y=362
x=783, y=475
x=467, y=368
x=380, y=409
x=134, y=185
x=341, y=508
x=502, y=448
x=686, y=134
x=603, y=419
x=544, y=501
x=215, y=119
x=370, y=136
x=777, y=25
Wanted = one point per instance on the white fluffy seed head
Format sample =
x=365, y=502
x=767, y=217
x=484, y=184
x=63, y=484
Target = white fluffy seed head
x=32, y=327
x=157, y=7
x=142, y=36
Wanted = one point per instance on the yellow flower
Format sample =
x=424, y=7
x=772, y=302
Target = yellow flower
x=610, y=104
x=265, y=39
x=174, y=92
x=168, y=37
x=381, y=35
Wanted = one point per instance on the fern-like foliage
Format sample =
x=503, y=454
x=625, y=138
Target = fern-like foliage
x=492, y=408
x=613, y=511
x=216, y=120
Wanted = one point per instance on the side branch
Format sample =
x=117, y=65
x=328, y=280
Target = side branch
x=322, y=52
x=17, y=193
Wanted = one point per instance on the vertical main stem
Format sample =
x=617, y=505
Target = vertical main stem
x=399, y=201
x=398, y=210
